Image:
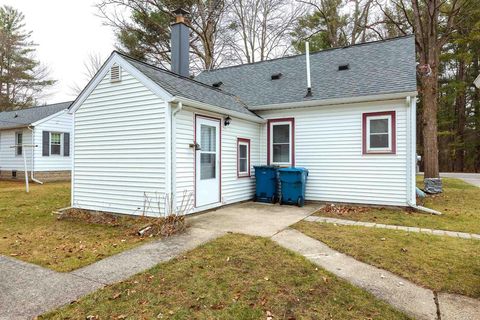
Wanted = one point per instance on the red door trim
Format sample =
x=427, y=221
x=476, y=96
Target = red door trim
x=292, y=123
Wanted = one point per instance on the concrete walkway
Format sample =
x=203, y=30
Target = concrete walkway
x=28, y=290
x=404, y=295
x=472, y=178
x=345, y=222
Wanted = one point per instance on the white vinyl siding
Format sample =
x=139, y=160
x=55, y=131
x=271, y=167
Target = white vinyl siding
x=120, y=149
x=9, y=160
x=61, y=123
x=328, y=142
x=233, y=188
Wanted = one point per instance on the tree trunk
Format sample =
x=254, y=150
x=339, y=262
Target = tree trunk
x=430, y=139
x=460, y=107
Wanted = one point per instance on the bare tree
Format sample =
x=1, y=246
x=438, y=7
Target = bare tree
x=261, y=29
x=334, y=23
x=90, y=67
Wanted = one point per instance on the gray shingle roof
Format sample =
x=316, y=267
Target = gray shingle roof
x=191, y=89
x=374, y=68
x=25, y=117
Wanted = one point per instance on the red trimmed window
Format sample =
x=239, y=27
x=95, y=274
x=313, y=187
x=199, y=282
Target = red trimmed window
x=243, y=157
x=281, y=137
x=378, y=133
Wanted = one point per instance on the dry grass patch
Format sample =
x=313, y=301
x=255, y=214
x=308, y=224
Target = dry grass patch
x=30, y=231
x=233, y=277
x=436, y=262
x=459, y=203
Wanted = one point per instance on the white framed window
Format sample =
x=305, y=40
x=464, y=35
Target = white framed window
x=56, y=144
x=281, y=142
x=243, y=157
x=379, y=133
x=18, y=143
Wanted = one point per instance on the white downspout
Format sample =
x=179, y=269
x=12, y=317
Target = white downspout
x=411, y=104
x=33, y=157
x=173, y=148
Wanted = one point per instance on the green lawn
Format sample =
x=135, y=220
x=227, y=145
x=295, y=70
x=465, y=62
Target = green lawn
x=30, y=231
x=440, y=263
x=233, y=277
x=460, y=205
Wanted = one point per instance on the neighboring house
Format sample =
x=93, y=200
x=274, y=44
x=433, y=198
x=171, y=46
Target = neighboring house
x=477, y=82
x=42, y=135
x=141, y=131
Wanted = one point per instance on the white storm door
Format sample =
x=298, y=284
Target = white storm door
x=207, y=159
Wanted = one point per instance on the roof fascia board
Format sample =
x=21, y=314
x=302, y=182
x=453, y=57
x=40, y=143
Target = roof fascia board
x=115, y=58
x=20, y=126
x=326, y=102
x=56, y=114
x=212, y=108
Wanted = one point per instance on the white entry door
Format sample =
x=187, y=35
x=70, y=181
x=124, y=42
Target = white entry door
x=207, y=190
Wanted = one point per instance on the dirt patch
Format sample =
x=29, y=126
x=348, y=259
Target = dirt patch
x=141, y=226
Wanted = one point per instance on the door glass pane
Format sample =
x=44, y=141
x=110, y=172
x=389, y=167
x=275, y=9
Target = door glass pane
x=281, y=133
x=379, y=126
x=207, y=138
x=243, y=151
x=243, y=165
x=207, y=166
x=281, y=153
x=379, y=141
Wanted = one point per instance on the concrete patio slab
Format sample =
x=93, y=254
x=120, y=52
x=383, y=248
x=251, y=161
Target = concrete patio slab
x=252, y=218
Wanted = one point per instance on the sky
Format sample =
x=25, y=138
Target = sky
x=66, y=32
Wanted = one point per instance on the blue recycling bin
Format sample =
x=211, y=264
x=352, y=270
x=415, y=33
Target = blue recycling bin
x=266, y=184
x=293, y=184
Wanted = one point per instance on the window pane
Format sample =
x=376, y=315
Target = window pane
x=243, y=165
x=281, y=153
x=55, y=138
x=379, y=126
x=55, y=149
x=243, y=151
x=379, y=141
x=207, y=166
x=19, y=138
x=207, y=138
x=281, y=133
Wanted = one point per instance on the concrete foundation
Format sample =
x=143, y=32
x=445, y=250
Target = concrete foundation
x=44, y=176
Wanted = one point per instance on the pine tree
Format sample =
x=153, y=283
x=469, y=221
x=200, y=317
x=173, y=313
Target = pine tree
x=22, y=78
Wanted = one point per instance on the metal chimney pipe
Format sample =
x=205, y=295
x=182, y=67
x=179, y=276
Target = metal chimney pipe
x=180, y=44
x=307, y=59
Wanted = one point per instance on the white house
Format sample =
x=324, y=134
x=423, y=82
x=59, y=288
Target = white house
x=141, y=131
x=477, y=81
x=39, y=137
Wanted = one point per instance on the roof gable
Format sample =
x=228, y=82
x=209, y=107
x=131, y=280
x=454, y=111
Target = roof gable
x=30, y=116
x=374, y=68
x=165, y=84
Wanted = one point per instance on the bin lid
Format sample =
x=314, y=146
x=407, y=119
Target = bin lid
x=265, y=167
x=294, y=169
